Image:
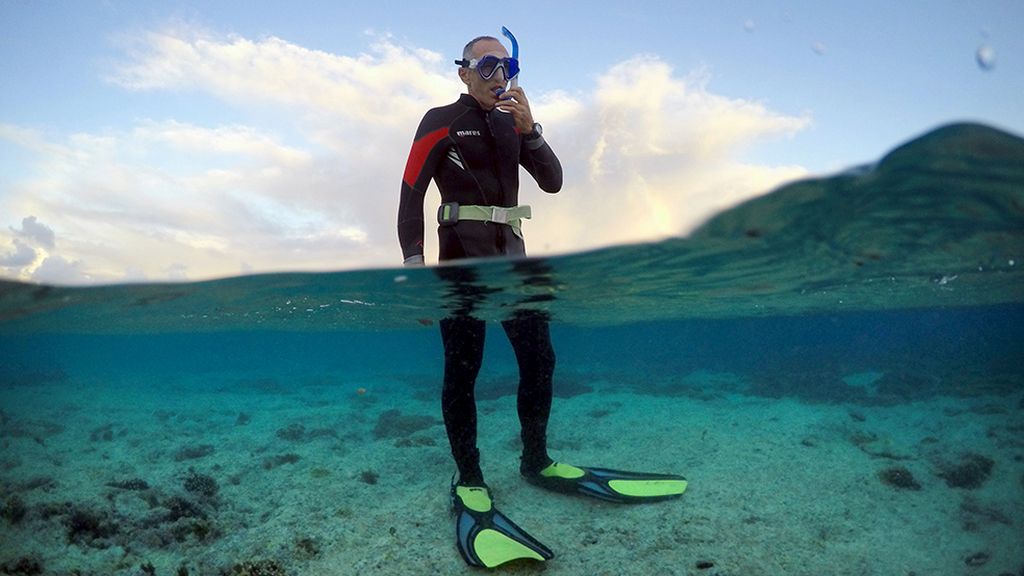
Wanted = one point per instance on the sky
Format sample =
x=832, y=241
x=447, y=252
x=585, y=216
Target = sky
x=172, y=141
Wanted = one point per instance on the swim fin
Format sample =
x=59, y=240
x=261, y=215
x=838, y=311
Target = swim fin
x=611, y=485
x=486, y=537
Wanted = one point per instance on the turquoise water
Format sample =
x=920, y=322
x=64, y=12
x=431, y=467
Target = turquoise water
x=837, y=368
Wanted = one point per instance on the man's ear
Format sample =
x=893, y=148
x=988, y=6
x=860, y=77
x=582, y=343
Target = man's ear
x=464, y=75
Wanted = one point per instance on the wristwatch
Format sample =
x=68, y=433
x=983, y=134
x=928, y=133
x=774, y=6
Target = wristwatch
x=538, y=131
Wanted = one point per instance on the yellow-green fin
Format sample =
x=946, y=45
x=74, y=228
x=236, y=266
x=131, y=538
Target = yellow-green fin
x=494, y=548
x=474, y=498
x=559, y=470
x=648, y=488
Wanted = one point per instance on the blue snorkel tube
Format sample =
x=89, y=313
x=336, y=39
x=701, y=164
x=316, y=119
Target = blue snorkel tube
x=515, y=51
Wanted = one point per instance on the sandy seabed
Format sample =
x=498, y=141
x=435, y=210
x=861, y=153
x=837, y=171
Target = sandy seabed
x=249, y=477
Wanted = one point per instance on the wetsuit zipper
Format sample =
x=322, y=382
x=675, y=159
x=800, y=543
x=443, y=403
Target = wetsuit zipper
x=499, y=236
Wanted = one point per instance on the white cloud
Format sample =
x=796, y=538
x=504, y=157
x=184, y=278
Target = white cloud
x=57, y=270
x=310, y=178
x=22, y=256
x=387, y=84
x=33, y=229
x=652, y=155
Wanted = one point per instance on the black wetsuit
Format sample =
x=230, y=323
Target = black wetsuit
x=474, y=156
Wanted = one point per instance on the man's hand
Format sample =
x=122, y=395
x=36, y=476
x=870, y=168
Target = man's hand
x=514, y=102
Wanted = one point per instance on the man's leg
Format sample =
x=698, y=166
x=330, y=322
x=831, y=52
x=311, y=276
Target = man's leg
x=530, y=337
x=463, y=339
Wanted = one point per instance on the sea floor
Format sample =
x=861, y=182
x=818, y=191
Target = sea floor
x=223, y=474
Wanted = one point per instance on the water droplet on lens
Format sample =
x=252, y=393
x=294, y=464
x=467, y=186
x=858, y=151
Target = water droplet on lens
x=986, y=57
x=819, y=48
x=749, y=26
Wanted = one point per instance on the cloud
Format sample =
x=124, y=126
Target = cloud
x=653, y=155
x=22, y=256
x=57, y=270
x=32, y=242
x=34, y=230
x=389, y=83
x=307, y=174
x=162, y=192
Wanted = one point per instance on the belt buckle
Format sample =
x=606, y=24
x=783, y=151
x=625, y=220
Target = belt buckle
x=499, y=214
x=448, y=214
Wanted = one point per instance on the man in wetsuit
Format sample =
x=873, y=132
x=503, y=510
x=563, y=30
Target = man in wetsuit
x=473, y=149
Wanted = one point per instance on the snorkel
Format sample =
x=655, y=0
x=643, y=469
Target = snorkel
x=515, y=51
x=515, y=54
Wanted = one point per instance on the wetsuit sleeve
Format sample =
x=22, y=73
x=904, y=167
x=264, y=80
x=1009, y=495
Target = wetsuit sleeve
x=543, y=165
x=419, y=169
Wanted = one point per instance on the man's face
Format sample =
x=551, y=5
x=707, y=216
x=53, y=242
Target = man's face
x=483, y=90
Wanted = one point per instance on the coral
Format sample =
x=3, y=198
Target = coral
x=369, y=477
x=392, y=424
x=974, y=513
x=257, y=568
x=201, y=484
x=977, y=559
x=243, y=419
x=279, y=460
x=133, y=484
x=293, y=433
x=906, y=385
x=201, y=530
x=44, y=483
x=414, y=442
x=89, y=527
x=193, y=452
x=307, y=547
x=102, y=434
x=8, y=463
x=24, y=566
x=898, y=477
x=970, y=473
x=321, y=433
x=47, y=511
x=13, y=509
x=178, y=508
x=38, y=431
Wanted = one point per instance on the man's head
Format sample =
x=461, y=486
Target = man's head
x=478, y=87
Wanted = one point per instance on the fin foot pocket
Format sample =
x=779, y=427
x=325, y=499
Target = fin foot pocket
x=487, y=538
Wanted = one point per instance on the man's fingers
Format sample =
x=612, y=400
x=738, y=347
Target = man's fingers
x=513, y=101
